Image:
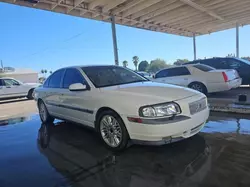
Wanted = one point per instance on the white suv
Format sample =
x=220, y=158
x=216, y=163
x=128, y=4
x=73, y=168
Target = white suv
x=122, y=105
x=11, y=88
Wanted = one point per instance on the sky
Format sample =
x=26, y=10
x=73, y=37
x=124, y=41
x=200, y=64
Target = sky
x=37, y=39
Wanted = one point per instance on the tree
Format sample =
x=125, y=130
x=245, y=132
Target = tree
x=143, y=65
x=231, y=55
x=50, y=72
x=135, y=61
x=125, y=63
x=42, y=71
x=45, y=72
x=156, y=65
x=246, y=58
x=179, y=62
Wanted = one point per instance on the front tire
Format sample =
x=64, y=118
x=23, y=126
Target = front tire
x=43, y=113
x=30, y=94
x=112, y=130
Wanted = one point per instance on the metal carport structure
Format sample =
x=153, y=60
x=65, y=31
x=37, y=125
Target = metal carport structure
x=189, y=18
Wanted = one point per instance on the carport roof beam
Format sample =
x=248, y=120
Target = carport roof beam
x=180, y=17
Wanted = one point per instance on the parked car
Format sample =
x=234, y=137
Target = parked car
x=11, y=88
x=121, y=105
x=145, y=74
x=241, y=65
x=200, y=77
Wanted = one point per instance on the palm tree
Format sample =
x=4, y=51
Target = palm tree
x=45, y=71
x=125, y=63
x=135, y=61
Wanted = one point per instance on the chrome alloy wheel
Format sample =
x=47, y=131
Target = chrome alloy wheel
x=111, y=131
x=197, y=87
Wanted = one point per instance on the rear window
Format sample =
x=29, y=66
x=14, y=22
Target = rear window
x=203, y=67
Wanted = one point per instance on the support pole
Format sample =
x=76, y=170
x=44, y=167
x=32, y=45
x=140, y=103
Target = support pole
x=114, y=40
x=194, y=46
x=237, y=40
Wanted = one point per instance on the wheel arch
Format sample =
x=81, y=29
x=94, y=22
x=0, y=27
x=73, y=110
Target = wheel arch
x=105, y=108
x=39, y=100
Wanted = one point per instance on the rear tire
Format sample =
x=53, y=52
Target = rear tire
x=198, y=87
x=112, y=130
x=30, y=94
x=44, y=114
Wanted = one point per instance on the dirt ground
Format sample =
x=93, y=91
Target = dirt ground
x=17, y=108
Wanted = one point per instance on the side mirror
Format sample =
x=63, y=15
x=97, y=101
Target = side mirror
x=78, y=87
x=153, y=76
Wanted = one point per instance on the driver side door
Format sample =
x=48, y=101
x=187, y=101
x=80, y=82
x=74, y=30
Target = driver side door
x=77, y=105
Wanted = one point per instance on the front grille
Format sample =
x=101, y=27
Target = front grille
x=197, y=106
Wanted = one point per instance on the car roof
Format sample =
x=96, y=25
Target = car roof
x=212, y=59
x=184, y=65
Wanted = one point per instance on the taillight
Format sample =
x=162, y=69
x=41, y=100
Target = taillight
x=225, y=76
x=236, y=74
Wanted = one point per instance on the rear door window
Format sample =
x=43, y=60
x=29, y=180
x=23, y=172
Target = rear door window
x=56, y=79
x=179, y=71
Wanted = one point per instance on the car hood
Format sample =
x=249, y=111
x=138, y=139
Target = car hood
x=166, y=92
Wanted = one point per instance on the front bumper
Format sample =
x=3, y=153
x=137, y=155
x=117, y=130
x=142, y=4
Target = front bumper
x=169, y=131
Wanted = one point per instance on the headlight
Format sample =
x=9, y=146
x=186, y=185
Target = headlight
x=165, y=109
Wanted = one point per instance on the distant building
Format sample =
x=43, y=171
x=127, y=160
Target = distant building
x=24, y=75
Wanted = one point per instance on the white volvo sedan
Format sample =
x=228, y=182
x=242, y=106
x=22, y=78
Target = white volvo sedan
x=122, y=105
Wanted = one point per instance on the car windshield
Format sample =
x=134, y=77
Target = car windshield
x=204, y=68
x=103, y=76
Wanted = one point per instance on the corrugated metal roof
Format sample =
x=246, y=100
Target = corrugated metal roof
x=180, y=17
